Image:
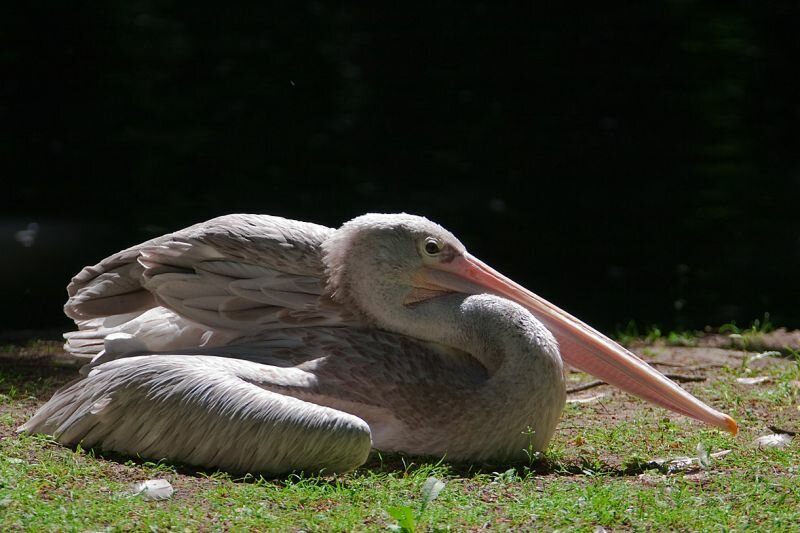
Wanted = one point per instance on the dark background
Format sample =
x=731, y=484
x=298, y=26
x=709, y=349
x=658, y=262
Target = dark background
x=624, y=161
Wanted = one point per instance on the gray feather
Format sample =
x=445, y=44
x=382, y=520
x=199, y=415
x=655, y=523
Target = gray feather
x=203, y=411
x=237, y=273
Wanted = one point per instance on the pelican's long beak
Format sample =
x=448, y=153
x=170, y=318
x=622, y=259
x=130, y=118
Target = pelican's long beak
x=581, y=346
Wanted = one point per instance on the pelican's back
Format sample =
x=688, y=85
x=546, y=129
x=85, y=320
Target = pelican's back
x=205, y=285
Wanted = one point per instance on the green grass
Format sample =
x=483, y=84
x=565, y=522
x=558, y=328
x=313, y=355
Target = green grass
x=599, y=471
x=758, y=326
x=652, y=334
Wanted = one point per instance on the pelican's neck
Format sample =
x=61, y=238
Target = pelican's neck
x=525, y=390
x=502, y=335
x=453, y=321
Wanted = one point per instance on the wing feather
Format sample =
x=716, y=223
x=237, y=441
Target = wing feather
x=205, y=411
x=237, y=273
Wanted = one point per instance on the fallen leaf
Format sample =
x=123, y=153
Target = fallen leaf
x=587, y=399
x=681, y=463
x=154, y=489
x=776, y=429
x=754, y=380
x=774, y=440
x=759, y=357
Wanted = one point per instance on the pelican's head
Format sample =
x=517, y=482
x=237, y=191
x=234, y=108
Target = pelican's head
x=381, y=263
x=385, y=260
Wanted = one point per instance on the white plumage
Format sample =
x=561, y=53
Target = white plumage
x=256, y=343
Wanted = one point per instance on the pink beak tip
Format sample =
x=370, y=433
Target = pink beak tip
x=733, y=427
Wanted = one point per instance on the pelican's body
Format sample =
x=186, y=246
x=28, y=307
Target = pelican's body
x=256, y=343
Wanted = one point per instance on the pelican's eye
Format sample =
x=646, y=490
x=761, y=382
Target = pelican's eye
x=432, y=246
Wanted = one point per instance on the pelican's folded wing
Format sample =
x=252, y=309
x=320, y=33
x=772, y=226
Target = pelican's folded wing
x=204, y=411
x=230, y=276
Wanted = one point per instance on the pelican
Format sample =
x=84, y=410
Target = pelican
x=253, y=343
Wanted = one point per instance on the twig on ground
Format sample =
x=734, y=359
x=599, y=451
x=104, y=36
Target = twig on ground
x=781, y=431
x=585, y=386
x=681, y=378
x=681, y=365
